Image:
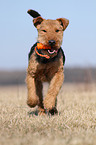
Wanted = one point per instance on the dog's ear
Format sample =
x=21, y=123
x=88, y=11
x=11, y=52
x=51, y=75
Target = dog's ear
x=37, y=18
x=64, y=22
x=33, y=13
x=37, y=21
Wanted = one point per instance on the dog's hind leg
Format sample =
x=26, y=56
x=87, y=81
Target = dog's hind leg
x=39, y=88
x=54, y=87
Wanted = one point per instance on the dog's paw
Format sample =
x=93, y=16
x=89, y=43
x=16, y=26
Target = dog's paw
x=41, y=111
x=32, y=101
x=53, y=111
x=49, y=103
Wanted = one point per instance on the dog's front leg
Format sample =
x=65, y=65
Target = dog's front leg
x=32, y=99
x=54, y=87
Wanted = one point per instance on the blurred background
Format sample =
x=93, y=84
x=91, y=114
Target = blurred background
x=17, y=35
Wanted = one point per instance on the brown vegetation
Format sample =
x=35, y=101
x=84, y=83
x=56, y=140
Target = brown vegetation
x=75, y=124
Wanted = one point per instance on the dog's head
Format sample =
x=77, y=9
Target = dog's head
x=50, y=32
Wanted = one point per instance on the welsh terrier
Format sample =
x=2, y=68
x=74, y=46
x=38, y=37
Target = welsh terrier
x=46, y=63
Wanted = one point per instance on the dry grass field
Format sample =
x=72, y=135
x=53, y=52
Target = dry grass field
x=74, y=125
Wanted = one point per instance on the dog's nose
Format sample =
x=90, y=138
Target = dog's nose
x=52, y=42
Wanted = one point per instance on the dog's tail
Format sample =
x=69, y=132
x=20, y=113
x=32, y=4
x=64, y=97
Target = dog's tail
x=33, y=13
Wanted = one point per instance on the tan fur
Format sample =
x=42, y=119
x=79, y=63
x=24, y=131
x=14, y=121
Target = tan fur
x=51, y=72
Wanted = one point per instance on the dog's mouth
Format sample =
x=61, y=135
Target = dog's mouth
x=52, y=51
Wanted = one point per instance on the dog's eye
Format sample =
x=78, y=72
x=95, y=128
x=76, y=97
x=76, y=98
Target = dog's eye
x=44, y=30
x=57, y=30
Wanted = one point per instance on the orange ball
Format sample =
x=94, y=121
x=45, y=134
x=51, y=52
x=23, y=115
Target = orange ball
x=41, y=46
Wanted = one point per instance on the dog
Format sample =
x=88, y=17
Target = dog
x=46, y=63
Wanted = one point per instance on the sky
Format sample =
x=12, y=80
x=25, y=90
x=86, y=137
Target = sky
x=17, y=33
